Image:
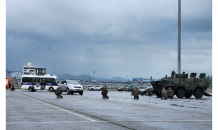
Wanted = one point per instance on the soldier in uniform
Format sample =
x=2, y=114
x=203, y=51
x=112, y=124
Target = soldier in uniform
x=150, y=91
x=132, y=92
x=58, y=92
x=170, y=93
x=104, y=92
x=12, y=87
x=164, y=94
x=136, y=93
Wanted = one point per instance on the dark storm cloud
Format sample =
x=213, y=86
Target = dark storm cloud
x=203, y=24
x=115, y=38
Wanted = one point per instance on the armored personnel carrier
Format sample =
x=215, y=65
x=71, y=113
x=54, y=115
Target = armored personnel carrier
x=182, y=85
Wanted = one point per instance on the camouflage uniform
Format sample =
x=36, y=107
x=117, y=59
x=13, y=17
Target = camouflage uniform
x=12, y=87
x=170, y=93
x=136, y=93
x=149, y=91
x=104, y=92
x=58, y=93
x=164, y=94
x=32, y=88
x=132, y=92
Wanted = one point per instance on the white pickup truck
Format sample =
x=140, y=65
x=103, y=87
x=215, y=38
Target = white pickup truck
x=71, y=87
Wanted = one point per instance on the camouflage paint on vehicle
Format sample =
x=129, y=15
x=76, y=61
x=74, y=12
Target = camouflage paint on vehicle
x=182, y=85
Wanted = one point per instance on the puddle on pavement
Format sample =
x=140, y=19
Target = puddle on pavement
x=194, y=107
x=176, y=105
x=186, y=101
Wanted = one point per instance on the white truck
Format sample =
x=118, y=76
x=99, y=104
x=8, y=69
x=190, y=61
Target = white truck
x=95, y=88
x=71, y=87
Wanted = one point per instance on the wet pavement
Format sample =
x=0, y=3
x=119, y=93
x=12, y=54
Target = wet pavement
x=42, y=110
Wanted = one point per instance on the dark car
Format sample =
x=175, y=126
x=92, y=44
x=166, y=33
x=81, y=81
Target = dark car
x=143, y=90
x=128, y=88
x=120, y=88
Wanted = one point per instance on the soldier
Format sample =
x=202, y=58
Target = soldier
x=150, y=91
x=132, y=92
x=58, y=93
x=104, y=92
x=170, y=93
x=164, y=94
x=136, y=93
x=12, y=87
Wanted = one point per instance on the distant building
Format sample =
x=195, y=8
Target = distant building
x=31, y=70
x=40, y=71
x=15, y=75
x=27, y=70
x=143, y=79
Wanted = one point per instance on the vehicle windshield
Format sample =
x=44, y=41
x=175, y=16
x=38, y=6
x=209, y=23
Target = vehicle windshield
x=142, y=87
x=72, y=82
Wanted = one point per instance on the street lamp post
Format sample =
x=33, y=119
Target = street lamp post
x=94, y=78
x=179, y=36
x=89, y=78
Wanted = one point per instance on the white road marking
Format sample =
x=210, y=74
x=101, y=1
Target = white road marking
x=170, y=121
x=53, y=122
x=116, y=121
x=62, y=109
x=33, y=110
x=25, y=107
x=36, y=115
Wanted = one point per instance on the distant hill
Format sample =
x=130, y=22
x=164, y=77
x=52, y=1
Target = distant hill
x=86, y=77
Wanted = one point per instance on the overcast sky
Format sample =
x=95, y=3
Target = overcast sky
x=113, y=38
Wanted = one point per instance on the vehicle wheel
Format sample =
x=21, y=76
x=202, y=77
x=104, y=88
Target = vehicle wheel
x=198, y=93
x=30, y=89
x=81, y=93
x=51, y=89
x=188, y=95
x=68, y=91
x=92, y=89
x=180, y=93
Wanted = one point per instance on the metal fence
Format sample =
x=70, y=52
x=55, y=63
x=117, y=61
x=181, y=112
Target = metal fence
x=114, y=86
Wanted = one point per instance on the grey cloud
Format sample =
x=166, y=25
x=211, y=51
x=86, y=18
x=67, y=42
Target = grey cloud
x=115, y=38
